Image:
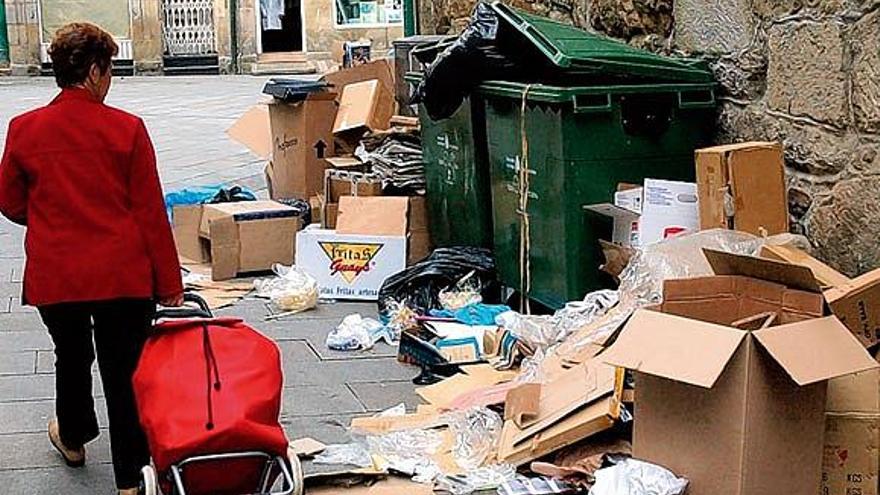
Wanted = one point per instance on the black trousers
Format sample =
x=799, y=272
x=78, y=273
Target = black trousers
x=117, y=330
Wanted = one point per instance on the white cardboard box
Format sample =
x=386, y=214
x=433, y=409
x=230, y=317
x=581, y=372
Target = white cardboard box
x=349, y=266
x=667, y=208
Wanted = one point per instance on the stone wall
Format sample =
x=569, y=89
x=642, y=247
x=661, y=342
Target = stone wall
x=23, y=27
x=804, y=72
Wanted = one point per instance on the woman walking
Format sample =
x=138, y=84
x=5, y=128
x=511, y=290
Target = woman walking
x=81, y=176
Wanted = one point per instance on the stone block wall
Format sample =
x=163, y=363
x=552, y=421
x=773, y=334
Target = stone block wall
x=804, y=72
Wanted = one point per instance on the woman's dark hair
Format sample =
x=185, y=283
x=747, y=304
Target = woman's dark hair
x=75, y=48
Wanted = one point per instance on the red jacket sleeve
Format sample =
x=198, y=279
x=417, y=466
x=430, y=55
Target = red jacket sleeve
x=149, y=208
x=13, y=184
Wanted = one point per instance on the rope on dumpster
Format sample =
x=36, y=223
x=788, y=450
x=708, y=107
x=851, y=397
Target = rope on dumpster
x=525, y=234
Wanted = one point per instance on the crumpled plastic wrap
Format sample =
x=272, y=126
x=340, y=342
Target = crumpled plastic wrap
x=349, y=454
x=465, y=292
x=480, y=479
x=290, y=291
x=409, y=451
x=477, y=433
x=358, y=333
x=543, y=332
x=399, y=317
x=634, y=477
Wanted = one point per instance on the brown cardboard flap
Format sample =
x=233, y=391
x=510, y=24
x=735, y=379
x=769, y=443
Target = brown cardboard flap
x=673, y=347
x=828, y=277
x=358, y=106
x=523, y=403
x=726, y=148
x=792, y=276
x=187, y=220
x=569, y=392
x=253, y=131
x=815, y=350
x=225, y=248
x=377, y=215
x=859, y=393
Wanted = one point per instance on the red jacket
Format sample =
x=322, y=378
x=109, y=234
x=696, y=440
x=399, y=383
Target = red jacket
x=82, y=177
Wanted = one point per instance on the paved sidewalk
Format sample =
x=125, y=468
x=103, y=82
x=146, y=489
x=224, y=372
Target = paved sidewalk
x=187, y=118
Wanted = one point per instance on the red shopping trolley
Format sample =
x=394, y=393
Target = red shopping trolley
x=209, y=396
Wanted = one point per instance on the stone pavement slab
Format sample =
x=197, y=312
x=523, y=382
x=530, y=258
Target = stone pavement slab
x=187, y=118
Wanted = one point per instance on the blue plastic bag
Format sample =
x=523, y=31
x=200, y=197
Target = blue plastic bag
x=474, y=314
x=199, y=195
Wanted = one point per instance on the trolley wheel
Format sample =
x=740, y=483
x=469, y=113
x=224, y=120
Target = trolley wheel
x=151, y=481
x=296, y=472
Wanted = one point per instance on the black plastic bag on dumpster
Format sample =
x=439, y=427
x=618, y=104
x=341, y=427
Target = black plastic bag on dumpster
x=474, y=57
x=420, y=285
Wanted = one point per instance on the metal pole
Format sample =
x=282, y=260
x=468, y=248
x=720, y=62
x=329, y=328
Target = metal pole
x=409, y=17
x=4, y=38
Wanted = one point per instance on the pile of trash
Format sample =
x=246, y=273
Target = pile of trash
x=520, y=403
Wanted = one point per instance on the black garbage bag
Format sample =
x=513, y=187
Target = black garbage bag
x=420, y=285
x=473, y=58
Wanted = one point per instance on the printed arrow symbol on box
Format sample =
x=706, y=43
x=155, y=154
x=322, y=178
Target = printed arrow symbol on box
x=320, y=146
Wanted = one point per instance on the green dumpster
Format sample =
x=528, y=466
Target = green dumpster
x=4, y=39
x=457, y=174
x=555, y=148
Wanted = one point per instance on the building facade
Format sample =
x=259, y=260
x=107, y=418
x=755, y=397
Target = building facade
x=192, y=36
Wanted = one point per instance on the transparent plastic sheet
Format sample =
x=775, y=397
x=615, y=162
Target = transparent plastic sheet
x=290, y=291
x=349, y=454
x=477, y=433
x=633, y=477
x=484, y=478
x=358, y=333
x=465, y=292
x=399, y=317
x=543, y=332
x=409, y=451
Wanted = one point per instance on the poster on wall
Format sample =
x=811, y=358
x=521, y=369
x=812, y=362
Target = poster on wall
x=113, y=16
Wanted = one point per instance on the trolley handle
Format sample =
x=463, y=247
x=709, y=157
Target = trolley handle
x=197, y=308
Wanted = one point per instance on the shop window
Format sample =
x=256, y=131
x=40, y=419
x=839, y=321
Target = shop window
x=360, y=13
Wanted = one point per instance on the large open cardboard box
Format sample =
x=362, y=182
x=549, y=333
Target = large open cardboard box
x=731, y=377
x=236, y=238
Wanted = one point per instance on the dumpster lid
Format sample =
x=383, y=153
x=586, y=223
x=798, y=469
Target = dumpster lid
x=576, y=50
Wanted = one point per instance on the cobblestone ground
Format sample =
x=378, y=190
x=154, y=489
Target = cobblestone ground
x=187, y=118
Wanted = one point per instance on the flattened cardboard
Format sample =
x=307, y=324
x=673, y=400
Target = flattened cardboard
x=857, y=304
x=378, y=215
x=652, y=343
x=306, y=447
x=252, y=130
x=826, y=276
x=851, y=459
x=364, y=105
x=742, y=187
x=302, y=138
x=443, y=393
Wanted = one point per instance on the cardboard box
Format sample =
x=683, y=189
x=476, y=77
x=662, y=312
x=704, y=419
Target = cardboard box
x=857, y=304
x=340, y=183
x=723, y=397
x=236, y=238
x=302, y=138
x=349, y=266
x=667, y=208
x=381, y=70
x=742, y=187
x=852, y=434
x=364, y=105
x=850, y=462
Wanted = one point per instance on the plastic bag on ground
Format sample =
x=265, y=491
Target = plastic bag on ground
x=634, y=477
x=291, y=290
x=419, y=286
x=480, y=479
x=198, y=195
x=349, y=454
x=357, y=333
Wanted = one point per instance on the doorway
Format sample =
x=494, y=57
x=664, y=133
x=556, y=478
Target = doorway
x=281, y=26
